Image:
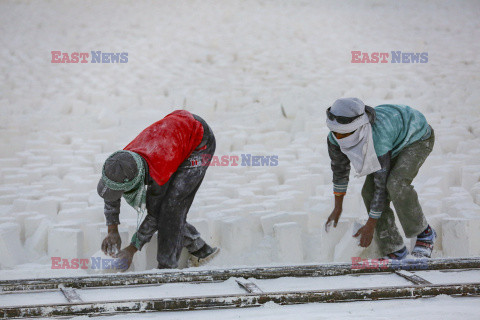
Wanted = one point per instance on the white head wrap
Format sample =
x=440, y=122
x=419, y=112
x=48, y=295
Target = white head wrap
x=358, y=147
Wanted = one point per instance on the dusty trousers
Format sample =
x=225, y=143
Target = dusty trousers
x=404, y=168
x=168, y=206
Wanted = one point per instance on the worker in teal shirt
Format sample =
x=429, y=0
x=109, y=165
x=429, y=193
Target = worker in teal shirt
x=388, y=144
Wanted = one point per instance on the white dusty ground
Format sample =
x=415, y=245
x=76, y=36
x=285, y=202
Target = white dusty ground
x=235, y=63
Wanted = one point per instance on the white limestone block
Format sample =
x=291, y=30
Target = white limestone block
x=318, y=214
x=432, y=207
x=7, y=199
x=99, y=160
x=215, y=225
x=70, y=214
x=21, y=178
x=348, y=246
x=47, y=206
x=11, y=250
x=146, y=259
x=37, y=243
x=31, y=223
x=235, y=235
x=93, y=214
x=5, y=219
x=328, y=240
x=460, y=237
x=20, y=219
x=288, y=239
x=92, y=240
x=66, y=243
x=267, y=221
x=73, y=205
x=470, y=176
x=202, y=227
x=20, y=204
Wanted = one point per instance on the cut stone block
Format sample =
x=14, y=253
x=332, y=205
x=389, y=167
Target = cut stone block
x=88, y=215
x=66, y=243
x=7, y=199
x=328, y=240
x=460, y=237
x=93, y=214
x=317, y=216
x=20, y=219
x=432, y=207
x=202, y=227
x=470, y=176
x=31, y=224
x=20, y=205
x=146, y=259
x=92, y=240
x=37, y=243
x=70, y=214
x=288, y=239
x=48, y=206
x=235, y=235
x=11, y=250
x=22, y=178
x=73, y=205
x=268, y=221
x=5, y=219
x=348, y=246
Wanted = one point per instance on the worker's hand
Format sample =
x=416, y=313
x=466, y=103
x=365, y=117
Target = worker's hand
x=333, y=218
x=125, y=257
x=366, y=233
x=112, y=243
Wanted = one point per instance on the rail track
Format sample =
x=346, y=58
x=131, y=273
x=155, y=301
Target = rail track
x=238, y=287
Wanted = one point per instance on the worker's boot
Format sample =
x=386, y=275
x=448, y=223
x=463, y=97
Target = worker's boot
x=202, y=256
x=424, y=245
x=397, y=255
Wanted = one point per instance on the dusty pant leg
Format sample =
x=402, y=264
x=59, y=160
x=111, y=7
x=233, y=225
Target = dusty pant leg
x=175, y=205
x=148, y=227
x=400, y=189
x=192, y=240
x=386, y=233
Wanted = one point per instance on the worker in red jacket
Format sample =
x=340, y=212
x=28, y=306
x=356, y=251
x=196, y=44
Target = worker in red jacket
x=159, y=172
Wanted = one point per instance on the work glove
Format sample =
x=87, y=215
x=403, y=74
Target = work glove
x=111, y=244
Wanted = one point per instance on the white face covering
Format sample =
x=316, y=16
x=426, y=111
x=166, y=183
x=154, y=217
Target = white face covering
x=358, y=147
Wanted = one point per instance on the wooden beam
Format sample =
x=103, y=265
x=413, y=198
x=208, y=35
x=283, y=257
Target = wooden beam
x=70, y=294
x=238, y=301
x=415, y=279
x=249, y=286
x=319, y=270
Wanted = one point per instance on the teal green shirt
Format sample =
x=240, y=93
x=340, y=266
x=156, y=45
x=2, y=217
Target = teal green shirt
x=395, y=127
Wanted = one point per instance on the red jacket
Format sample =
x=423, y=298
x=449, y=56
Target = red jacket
x=167, y=143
